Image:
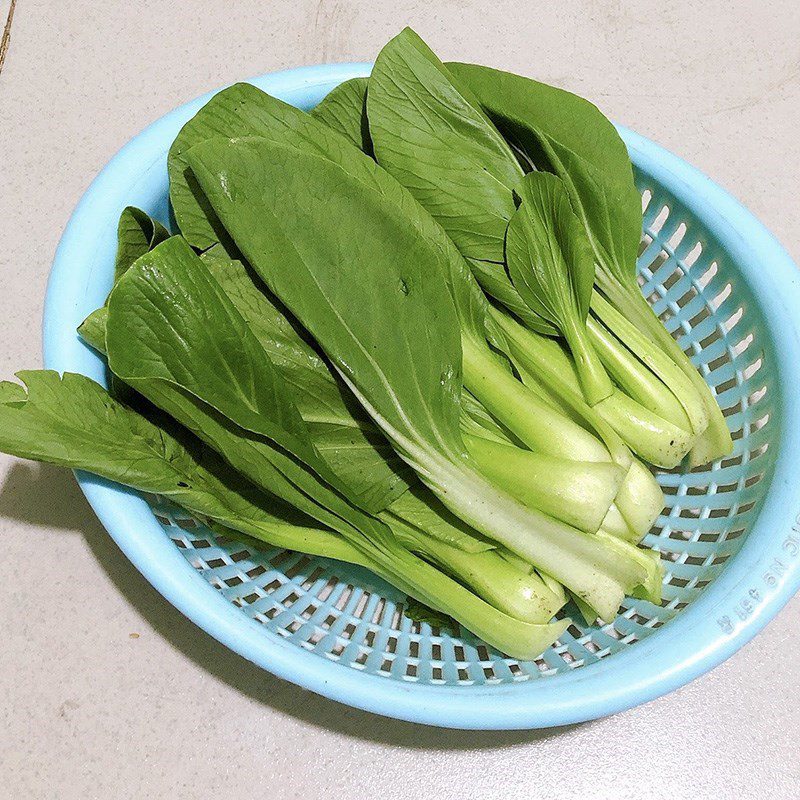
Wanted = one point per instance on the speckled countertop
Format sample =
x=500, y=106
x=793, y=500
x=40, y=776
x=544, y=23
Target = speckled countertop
x=105, y=690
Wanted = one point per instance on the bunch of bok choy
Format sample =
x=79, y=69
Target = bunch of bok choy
x=401, y=331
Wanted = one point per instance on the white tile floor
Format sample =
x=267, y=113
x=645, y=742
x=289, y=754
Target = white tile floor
x=105, y=690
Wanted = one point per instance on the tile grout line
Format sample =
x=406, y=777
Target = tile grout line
x=6, y=39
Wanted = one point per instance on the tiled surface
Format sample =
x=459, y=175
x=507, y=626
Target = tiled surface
x=105, y=690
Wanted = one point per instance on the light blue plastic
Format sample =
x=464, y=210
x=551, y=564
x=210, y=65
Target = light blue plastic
x=730, y=537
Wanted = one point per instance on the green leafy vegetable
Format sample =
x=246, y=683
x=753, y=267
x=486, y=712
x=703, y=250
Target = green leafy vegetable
x=254, y=113
x=365, y=460
x=279, y=123
x=569, y=136
x=338, y=426
x=550, y=262
x=344, y=109
x=72, y=421
x=598, y=180
x=137, y=234
x=415, y=399
x=342, y=433
x=432, y=136
x=164, y=313
x=362, y=455
x=425, y=143
x=413, y=341
x=156, y=350
x=169, y=357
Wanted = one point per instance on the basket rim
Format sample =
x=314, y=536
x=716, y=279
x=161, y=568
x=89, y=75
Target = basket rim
x=690, y=645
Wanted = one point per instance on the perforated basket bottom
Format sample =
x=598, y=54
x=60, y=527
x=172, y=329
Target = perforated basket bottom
x=347, y=615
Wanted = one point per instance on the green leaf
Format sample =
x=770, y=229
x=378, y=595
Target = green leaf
x=93, y=329
x=342, y=432
x=345, y=435
x=243, y=110
x=551, y=265
x=340, y=429
x=441, y=147
x=344, y=109
x=178, y=340
x=419, y=402
x=494, y=280
x=419, y=612
x=239, y=111
x=72, y=421
x=567, y=135
x=435, y=140
x=137, y=233
x=547, y=253
x=170, y=321
x=12, y=394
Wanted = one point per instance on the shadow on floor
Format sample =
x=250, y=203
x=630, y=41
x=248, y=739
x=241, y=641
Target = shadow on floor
x=46, y=496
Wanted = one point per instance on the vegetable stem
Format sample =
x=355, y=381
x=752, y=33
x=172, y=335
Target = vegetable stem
x=659, y=362
x=635, y=379
x=715, y=441
x=578, y=493
x=640, y=498
x=648, y=435
x=533, y=420
x=521, y=595
x=593, y=378
x=576, y=559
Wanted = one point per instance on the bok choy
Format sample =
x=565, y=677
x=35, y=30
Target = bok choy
x=430, y=131
x=402, y=331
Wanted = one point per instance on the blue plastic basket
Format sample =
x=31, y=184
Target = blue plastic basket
x=729, y=537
